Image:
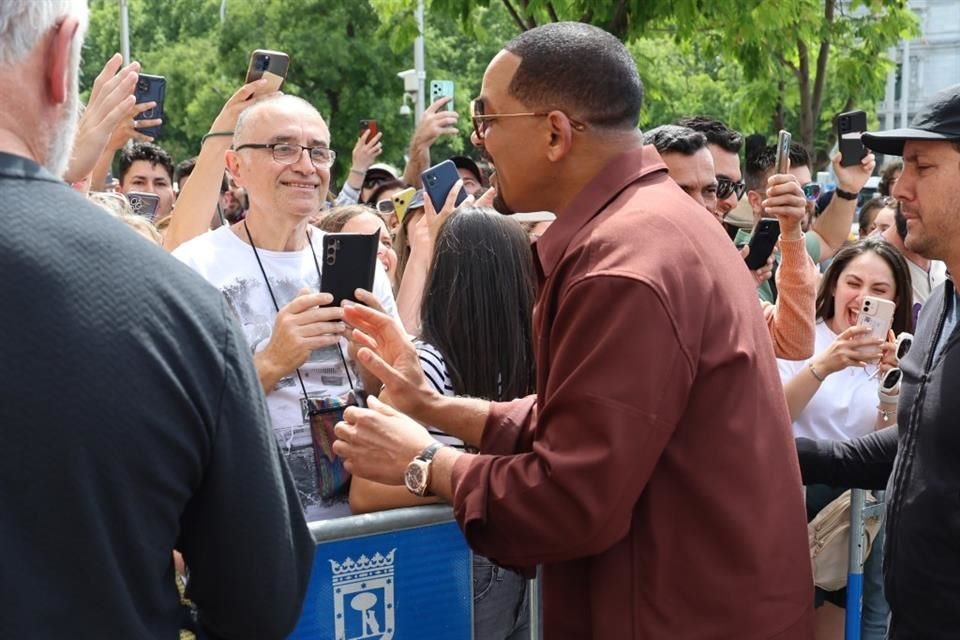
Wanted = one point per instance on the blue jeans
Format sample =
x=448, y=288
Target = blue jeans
x=876, y=611
x=501, y=609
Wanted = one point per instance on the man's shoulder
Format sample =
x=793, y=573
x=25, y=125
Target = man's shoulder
x=218, y=239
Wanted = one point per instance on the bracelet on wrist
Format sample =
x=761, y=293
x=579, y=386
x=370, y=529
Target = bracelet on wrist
x=845, y=195
x=814, y=373
x=215, y=134
x=358, y=172
x=885, y=414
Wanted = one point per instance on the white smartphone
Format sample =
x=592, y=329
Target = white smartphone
x=877, y=314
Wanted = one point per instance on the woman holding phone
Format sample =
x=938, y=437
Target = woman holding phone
x=834, y=394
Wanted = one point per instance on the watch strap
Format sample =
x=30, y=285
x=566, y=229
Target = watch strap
x=846, y=195
x=429, y=451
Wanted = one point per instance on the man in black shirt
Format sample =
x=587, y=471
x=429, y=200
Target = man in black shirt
x=132, y=419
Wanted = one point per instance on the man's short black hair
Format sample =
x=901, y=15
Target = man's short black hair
x=144, y=151
x=670, y=138
x=578, y=68
x=716, y=131
x=760, y=163
x=184, y=169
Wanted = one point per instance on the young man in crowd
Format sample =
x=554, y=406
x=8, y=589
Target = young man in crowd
x=791, y=320
x=470, y=174
x=134, y=421
x=269, y=267
x=925, y=274
x=690, y=164
x=724, y=146
x=653, y=475
x=921, y=561
x=146, y=168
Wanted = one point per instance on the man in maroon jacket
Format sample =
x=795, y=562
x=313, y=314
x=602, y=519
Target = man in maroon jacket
x=653, y=475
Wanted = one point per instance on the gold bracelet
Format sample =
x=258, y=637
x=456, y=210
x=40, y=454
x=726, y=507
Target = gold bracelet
x=814, y=372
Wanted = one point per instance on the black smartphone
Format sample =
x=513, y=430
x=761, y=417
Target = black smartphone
x=762, y=242
x=349, y=263
x=151, y=89
x=438, y=180
x=144, y=204
x=784, y=139
x=269, y=64
x=369, y=125
x=850, y=126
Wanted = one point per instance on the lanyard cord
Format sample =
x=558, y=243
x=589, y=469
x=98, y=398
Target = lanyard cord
x=273, y=298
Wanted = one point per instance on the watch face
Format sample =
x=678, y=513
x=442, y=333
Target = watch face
x=415, y=477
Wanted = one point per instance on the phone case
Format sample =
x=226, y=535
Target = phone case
x=401, y=201
x=783, y=152
x=850, y=126
x=442, y=89
x=269, y=64
x=144, y=204
x=438, y=180
x=762, y=242
x=151, y=88
x=877, y=313
x=372, y=125
x=349, y=263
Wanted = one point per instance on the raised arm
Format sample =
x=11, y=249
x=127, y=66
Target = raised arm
x=435, y=123
x=833, y=225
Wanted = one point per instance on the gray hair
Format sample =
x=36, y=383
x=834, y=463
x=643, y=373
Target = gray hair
x=246, y=113
x=24, y=22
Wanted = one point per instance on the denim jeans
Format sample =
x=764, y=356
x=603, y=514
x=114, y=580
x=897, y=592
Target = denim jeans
x=500, y=602
x=876, y=611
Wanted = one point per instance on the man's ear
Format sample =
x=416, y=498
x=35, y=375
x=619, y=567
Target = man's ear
x=755, y=198
x=561, y=136
x=232, y=160
x=58, y=63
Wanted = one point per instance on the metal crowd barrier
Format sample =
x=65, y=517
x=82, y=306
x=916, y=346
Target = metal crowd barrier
x=859, y=511
x=393, y=575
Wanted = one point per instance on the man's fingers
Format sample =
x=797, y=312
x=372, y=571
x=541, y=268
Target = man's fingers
x=375, y=324
x=367, y=298
x=304, y=301
x=486, y=200
x=146, y=124
x=141, y=107
x=363, y=340
x=118, y=113
x=381, y=407
x=377, y=366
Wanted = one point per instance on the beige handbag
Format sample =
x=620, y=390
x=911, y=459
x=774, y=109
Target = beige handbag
x=829, y=537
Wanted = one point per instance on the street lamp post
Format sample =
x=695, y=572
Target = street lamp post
x=124, y=31
x=418, y=63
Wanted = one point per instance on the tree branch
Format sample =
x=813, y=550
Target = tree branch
x=531, y=21
x=789, y=65
x=820, y=79
x=514, y=15
x=618, y=22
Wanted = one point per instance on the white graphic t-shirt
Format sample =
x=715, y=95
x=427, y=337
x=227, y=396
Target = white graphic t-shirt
x=229, y=264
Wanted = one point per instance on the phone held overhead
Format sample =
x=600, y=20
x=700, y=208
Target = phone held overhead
x=442, y=89
x=438, y=180
x=850, y=127
x=268, y=64
x=151, y=89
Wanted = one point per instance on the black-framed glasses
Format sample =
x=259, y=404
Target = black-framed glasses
x=726, y=187
x=289, y=153
x=481, y=120
x=811, y=191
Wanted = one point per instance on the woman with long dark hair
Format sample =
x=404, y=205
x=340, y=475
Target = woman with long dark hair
x=475, y=340
x=834, y=395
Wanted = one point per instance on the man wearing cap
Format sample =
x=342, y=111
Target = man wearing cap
x=470, y=174
x=922, y=554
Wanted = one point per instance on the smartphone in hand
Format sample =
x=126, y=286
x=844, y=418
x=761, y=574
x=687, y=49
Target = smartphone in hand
x=268, y=64
x=877, y=313
x=762, y=242
x=784, y=139
x=144, y=204
x=850, y=126
x=151, y=89
x=369, y=125
x=442, y=89
x=349, y=263
x=438, y=180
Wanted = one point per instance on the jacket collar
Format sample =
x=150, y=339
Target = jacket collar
x=622, y=171
x=19, y=167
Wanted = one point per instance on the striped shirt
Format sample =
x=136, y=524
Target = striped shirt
x=435, y=369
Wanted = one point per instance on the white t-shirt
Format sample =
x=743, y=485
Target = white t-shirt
x=229, y=264
x=845, y=405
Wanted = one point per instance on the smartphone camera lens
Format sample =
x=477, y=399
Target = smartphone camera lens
x=143, y=85
x=264, y=63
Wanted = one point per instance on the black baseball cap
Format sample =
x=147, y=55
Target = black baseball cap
x=463, y=162
x=938, y=119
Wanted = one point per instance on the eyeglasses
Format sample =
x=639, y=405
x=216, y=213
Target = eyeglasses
x=481, y=120
x=726, y=187
x=811, y=191
x=289, y=153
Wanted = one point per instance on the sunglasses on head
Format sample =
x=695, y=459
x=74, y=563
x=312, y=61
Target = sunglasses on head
x=811, y=191
x=726, y=187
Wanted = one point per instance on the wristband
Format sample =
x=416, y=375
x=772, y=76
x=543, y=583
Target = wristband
x=846, y=195
x=358, y=172
x=215, y=134
x=814, y=372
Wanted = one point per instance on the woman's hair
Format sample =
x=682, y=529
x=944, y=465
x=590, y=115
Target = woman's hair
x=477, y=306
x=335, y=219
x=389, y=185
x=401, y=243
x=870, y=209
x=903, y=316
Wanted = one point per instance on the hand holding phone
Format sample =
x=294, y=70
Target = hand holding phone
x=762, y=242
x=438, y=180
x=349, y=263
x=369, y=125
x=849, y=128
x=442, y=89
x=144, y=204
x=784, y=139
x=150, y=89
x=876, y=314
x=268, y=64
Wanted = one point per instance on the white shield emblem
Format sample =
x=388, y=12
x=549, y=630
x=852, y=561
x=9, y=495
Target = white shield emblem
x=363, y=606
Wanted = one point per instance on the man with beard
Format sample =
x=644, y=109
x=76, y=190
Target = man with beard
x=921, y=563
x=653, y=473
x=133, y=420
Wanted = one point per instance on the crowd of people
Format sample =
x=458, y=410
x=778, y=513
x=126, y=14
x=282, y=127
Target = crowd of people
x=605, y=391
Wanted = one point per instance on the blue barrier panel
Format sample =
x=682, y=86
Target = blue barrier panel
x=395, y=575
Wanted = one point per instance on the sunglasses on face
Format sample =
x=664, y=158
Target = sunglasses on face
x=811, y=191
x=726, y=187
x=374, y=181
